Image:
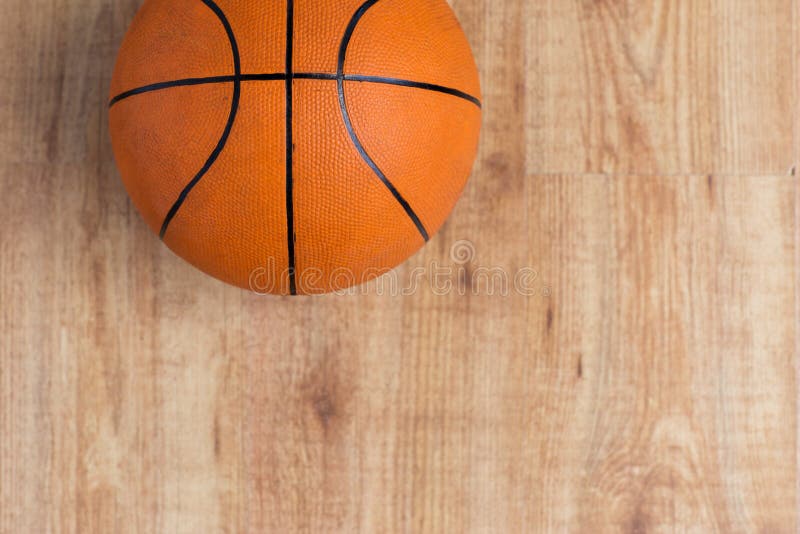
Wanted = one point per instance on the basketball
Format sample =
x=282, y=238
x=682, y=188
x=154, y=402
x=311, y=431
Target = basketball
x=295, y=147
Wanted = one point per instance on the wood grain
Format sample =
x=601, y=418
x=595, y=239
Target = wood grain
x=660, y=86
x=635, y=181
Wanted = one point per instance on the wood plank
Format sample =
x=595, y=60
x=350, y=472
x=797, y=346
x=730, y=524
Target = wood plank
x=118, y=414
x=663, y=395
x=659, y=87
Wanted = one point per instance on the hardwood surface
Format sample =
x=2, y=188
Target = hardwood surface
x=638, y=165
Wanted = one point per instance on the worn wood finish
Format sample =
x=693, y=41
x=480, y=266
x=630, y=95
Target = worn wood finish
x=635, y=176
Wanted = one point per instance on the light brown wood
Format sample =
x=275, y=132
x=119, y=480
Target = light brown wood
x=635, y=173
x=660, y=86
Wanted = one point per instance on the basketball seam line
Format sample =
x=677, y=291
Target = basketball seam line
x=280, y=76
x=416, y=85
x=166, y=85
x=340, y=79
x=228, y=127
x=290, y=146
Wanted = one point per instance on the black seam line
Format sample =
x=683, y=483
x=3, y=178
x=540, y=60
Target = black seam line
x=340, y=79
x=280, y=76
x=314, y=76
x=167, y=85
x=290, y=146
x=197, y=81
x=417, y=85
x=237, y=86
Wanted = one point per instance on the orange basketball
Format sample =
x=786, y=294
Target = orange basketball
x=295, y=147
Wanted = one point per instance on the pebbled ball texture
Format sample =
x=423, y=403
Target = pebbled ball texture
x=302, y=186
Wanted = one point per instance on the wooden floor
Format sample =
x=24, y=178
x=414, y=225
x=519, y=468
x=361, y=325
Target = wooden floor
x=637, y=174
